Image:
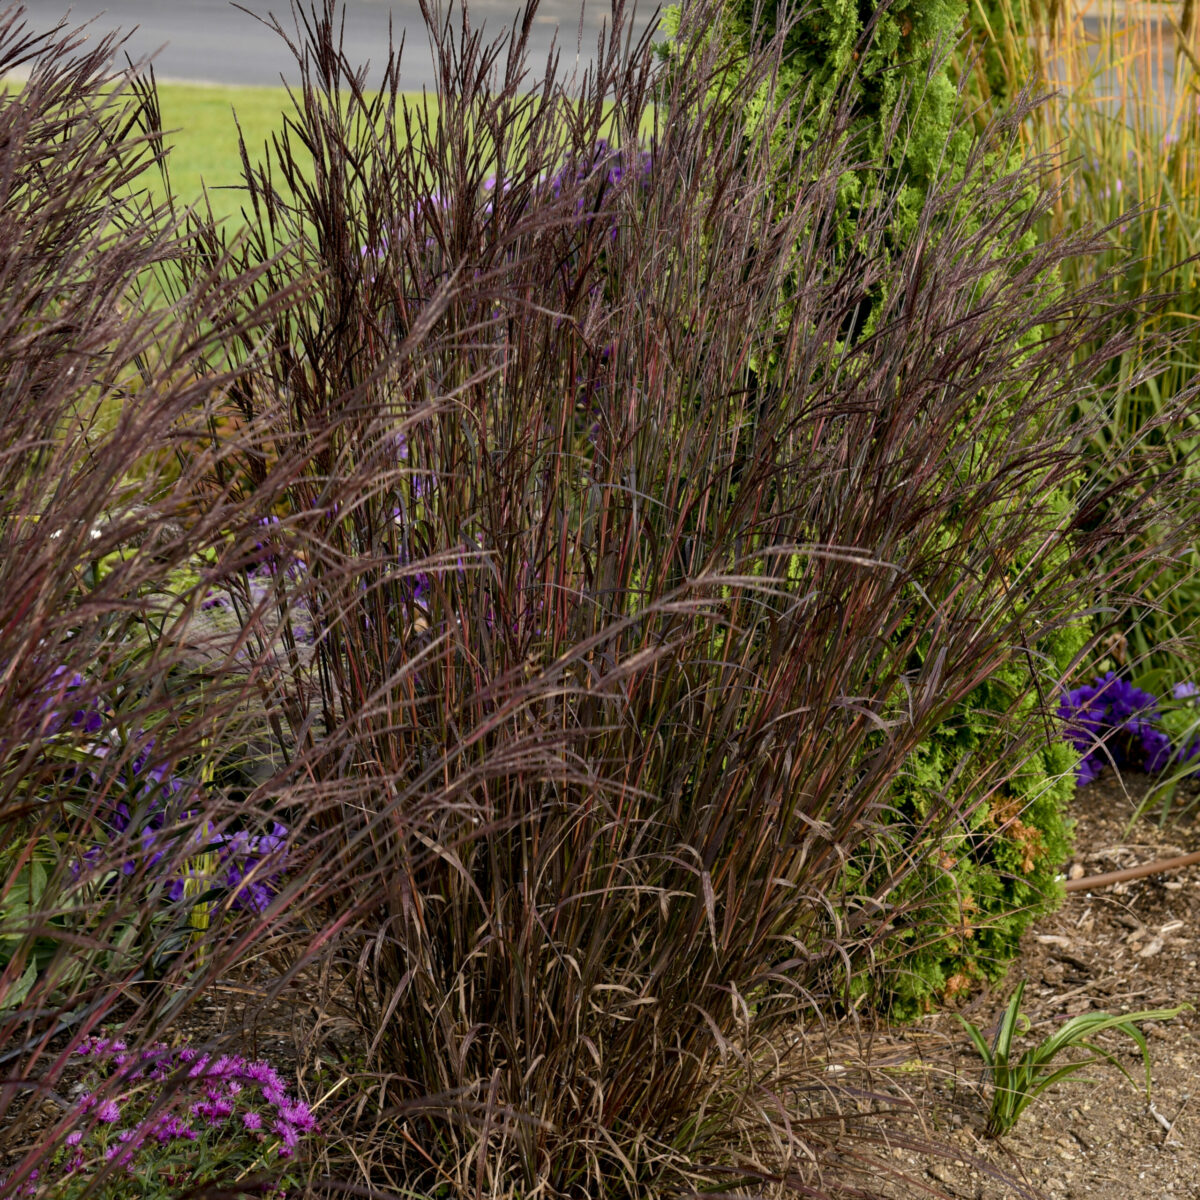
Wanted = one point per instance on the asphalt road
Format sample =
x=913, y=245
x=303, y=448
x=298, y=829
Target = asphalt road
x=210, y=40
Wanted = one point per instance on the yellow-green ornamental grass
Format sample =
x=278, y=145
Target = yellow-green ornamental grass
x=1124, y=125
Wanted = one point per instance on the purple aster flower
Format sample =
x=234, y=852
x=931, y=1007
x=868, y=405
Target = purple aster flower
x=120, y=1152
x=227, y=1065
x=291, y=1139
x=153, y=857
x=1125, y=719
x=1089, y=769
x=198, y=1066
x=89, y=721
x=1127, y=701
x=1156, y=749
x=217, y=1112
x=274, y=841
x=263, y=1073
x=109, y=1111
x=298, y=1115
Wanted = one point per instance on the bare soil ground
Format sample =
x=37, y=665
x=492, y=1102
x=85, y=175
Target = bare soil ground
x=1117, y=949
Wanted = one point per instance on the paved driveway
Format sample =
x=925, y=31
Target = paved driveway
x=211, y=40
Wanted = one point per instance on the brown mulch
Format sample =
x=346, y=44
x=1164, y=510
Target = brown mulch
x=1116, y=949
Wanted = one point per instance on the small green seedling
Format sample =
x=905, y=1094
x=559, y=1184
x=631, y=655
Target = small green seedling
x=1016, y=1085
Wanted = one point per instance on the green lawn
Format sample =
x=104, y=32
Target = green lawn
x=204, y=146
x=201, y=121
x=204, y=141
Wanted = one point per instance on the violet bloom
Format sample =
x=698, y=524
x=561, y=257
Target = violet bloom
x=216, y=1112
x=298, y=1114
x=86, y=720
x=198, y=1066
x=1111, y=719
x=226, y=1074
x=290, y=1138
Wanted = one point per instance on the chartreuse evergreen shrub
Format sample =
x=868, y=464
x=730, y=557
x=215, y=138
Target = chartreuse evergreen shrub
x=889, y=63
x=998, y=870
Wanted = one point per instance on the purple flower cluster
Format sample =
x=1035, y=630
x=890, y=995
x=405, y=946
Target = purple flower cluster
x=142, y=804
x=247, y=864
x=1111, y=720
x=87, y=720
x=589, y=178
x=177, y=1110
x=608, y=167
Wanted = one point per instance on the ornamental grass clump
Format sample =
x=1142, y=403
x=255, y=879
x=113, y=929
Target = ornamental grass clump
x=621, y=643
x=586, y=708
x=129, y=818
x=909, y=119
